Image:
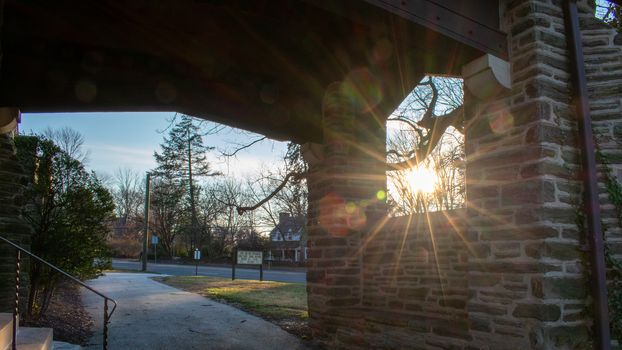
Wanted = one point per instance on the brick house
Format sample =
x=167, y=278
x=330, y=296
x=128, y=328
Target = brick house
x=287, y=239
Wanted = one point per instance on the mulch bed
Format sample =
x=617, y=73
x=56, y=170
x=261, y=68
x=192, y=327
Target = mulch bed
x=67, y=316
x=295, y=326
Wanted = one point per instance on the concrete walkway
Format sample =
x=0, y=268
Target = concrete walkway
x=152, y=315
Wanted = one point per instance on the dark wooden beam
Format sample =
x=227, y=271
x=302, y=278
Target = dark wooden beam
x=476, y=31
x=475, y=24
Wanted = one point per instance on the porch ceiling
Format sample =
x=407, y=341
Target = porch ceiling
x=258, y=65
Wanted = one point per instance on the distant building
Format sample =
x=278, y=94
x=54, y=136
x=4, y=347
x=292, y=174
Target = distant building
x=287, y=239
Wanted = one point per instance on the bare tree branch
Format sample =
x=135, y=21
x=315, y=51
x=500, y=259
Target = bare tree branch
x=70, y=141
x=243, y=147
x=436, y=127
x=242, y=209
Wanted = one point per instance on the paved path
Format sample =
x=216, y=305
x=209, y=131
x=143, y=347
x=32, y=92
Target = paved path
x=217, y=271
x=154, y=316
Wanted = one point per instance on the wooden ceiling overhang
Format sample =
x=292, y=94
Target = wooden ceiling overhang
x=259, y=65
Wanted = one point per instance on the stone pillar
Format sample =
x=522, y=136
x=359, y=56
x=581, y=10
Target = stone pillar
x=12, y=226
x=347, y=185
x=526, y=277
x=9, y=119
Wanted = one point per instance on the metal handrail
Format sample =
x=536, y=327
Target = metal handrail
x=19, y=249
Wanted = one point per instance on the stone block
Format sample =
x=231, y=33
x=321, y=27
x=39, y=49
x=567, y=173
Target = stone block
x=455, y=303
x=413, y=293
x=568, y=337
x=558, y=287
x=520, y=233
x=488, y=309
x=557, y=250
x=536, y=191
x=514, y=267
x=542, y=312
x=484, y=280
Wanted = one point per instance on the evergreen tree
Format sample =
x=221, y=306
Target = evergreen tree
x=68, y=209
x=182, y=159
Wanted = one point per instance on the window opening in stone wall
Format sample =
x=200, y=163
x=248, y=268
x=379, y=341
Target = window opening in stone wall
x=610, y=13
x=426, y=145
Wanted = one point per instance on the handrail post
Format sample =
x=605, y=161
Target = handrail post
x=18, y=260
x=106, y=320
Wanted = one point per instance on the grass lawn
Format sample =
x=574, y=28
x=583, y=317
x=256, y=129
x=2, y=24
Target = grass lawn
x=282, y=303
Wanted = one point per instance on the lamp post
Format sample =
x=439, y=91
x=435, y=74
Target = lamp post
x=146, y=229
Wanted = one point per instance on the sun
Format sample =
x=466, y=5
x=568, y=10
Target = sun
x=421, y=179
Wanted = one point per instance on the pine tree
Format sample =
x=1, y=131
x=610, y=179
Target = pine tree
x=183, y=158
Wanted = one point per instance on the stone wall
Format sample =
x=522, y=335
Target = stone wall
x=527, y=284
x=344, y=191
x=414, y=283
x=603, y=64
x=413, y=286
x=12, y=184
x=509, y=271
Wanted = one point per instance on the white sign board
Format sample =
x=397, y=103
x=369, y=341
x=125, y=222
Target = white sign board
x=249, y=257
x=197, y=255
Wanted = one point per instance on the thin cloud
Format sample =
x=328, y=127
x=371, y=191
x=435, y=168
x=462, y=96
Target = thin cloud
x=109, y=157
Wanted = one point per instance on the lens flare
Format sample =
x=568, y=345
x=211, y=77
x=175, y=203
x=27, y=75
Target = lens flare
x=421, y=179
x=363, y=88
x=381, y=195
x=501, y=123
x=338, y=217
x=85, y=90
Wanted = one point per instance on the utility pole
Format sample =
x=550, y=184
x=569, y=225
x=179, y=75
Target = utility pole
x=146, y=229
x=192, y=204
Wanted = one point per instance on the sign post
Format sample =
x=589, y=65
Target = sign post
x=233, y=261
x=248, y=257
x=154, y=241
x=197, y=257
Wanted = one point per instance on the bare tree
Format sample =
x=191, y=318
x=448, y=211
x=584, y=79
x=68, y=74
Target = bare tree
x=430, y=134
x=229, y=193
x=168, y=211
x=70, y=141
x=128, y=193
x=427, y=133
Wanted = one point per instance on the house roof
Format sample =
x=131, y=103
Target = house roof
x=295, y=224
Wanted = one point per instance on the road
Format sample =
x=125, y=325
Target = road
x=188, y=270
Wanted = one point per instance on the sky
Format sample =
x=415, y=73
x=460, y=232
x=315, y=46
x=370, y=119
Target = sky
x=128, y=140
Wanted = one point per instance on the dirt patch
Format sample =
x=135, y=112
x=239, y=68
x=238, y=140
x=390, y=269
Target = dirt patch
x=67, y=316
